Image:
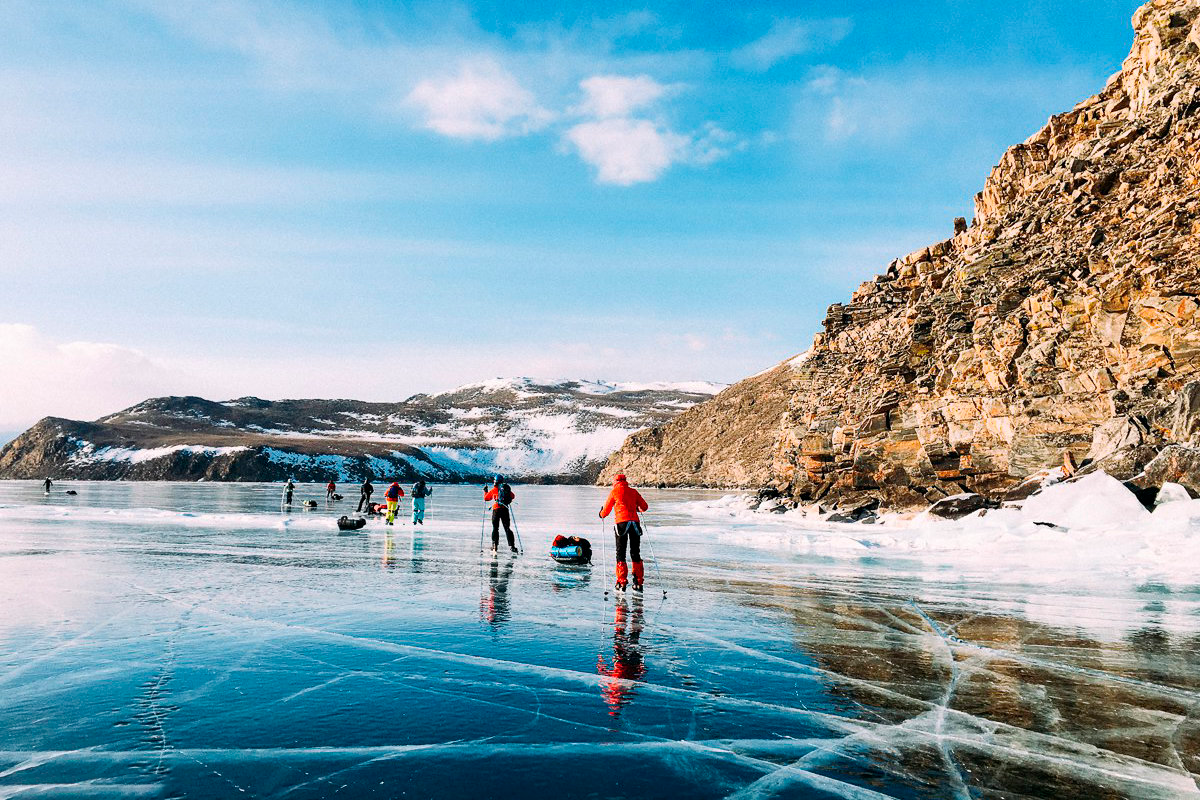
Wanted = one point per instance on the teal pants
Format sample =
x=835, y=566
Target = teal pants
x=418, y=510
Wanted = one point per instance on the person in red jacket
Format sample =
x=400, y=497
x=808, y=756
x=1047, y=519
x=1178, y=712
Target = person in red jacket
x=330, y=488
x=393, y=495
x=627, y=502
x=503, y=495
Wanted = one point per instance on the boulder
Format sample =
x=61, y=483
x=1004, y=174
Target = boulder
x=864, y=512
x=1183, y=418
x=1119, y=433
x=1176, y=463
x=960, y=505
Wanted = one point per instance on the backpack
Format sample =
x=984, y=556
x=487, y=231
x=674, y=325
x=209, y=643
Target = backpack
x=418, y=489
x=505, y=494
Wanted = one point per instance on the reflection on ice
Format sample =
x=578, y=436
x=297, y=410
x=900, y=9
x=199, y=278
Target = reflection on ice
x=626, y=665
x=178, y=641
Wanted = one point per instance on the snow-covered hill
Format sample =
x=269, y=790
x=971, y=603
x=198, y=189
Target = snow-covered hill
x=560, y=431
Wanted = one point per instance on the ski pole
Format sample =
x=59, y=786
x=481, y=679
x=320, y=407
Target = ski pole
x=603, y=559
x=482, y=528
x=516, y=528
x=654, y=559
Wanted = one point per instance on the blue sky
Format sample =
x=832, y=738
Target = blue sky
x=371, y=199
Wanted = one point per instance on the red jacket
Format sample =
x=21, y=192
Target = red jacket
x=494, y=494
x=394, y=492
x=626, y=500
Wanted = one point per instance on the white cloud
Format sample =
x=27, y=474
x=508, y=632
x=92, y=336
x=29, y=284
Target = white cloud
x=74, y=379
x=482, y=101
x=618, y=95
x=626, y=151
x=786, y=39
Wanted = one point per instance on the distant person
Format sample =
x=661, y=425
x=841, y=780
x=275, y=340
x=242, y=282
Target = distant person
x=627, y=502
x=419, y=492
x=503, y=496
x=330, y=488
x=46, y=484
x=393, y=495
x=364, y=496
x=288, y=491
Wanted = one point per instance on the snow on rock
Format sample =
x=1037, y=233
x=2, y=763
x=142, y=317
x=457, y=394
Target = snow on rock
x=89, y=453
x=1092, y=527
x=1095, y=500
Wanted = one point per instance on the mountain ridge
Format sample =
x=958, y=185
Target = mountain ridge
x=528, y=430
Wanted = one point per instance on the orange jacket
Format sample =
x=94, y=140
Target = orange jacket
x=494, y=494
x=627, y=502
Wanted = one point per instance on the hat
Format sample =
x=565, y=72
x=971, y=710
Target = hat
x=620, y=477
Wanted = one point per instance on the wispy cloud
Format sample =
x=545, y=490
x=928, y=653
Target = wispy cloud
x=788, y=38
x=70, y=379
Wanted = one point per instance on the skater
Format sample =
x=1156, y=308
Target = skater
x=364, y=496
x=287, y=492
x=503, y=496
x=419, y=492
x=627, y=503
x=330, y=488
x=46, y=484
x=393, y=495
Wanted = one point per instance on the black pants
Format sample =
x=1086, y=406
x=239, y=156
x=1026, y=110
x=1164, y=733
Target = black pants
x=630, y=532
x=501, y=515
x=364, y=499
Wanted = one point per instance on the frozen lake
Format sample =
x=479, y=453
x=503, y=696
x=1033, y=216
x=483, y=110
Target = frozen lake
x=189, y=640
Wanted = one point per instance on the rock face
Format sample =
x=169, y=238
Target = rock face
x=726, y=441
x=1064, y=318
x=560, y=432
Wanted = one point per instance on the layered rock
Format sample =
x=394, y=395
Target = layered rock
x=1067, y=310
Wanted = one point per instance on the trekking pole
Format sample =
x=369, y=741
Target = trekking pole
x=603, y=560
x=654, y=558
x=516, y=529
x=482, y=528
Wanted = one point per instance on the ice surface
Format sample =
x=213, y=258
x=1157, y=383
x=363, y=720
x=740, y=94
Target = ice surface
x=191, y=640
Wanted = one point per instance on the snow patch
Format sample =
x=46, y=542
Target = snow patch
x=88, y=453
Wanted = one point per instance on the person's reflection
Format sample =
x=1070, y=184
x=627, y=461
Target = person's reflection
x=627, y=662
x=493, y=606
x=389, y=551
x=416, y=557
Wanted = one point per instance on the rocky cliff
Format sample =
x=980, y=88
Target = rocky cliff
x=543, y=432
x=725, y=442
x=1061, y=323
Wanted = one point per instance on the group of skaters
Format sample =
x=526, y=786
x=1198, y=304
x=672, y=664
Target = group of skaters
x=391, y=505
x=624, y=502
